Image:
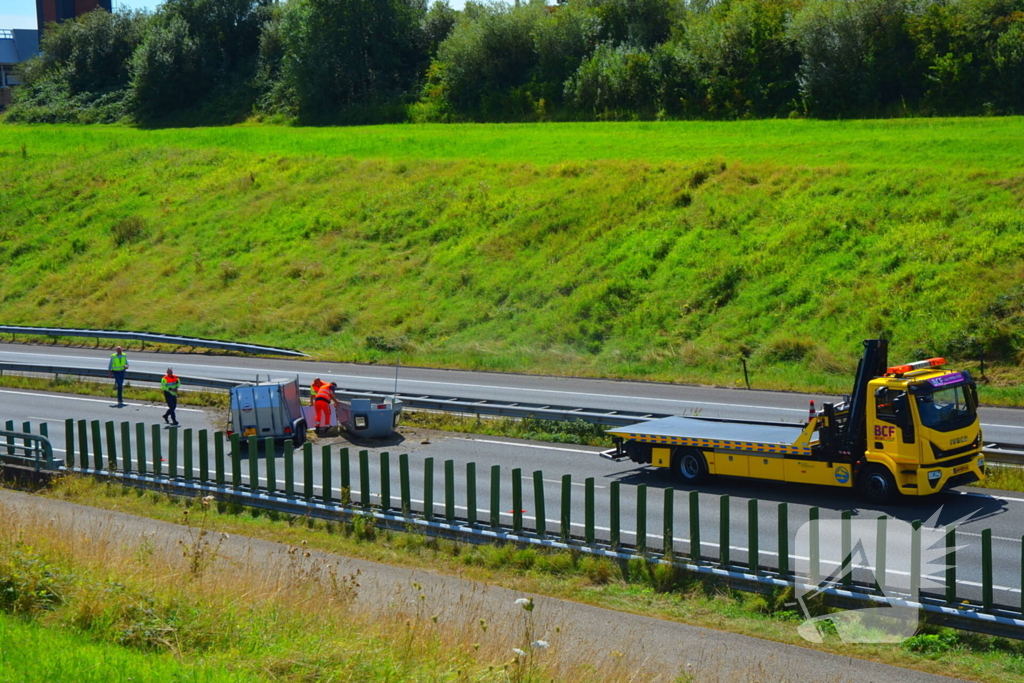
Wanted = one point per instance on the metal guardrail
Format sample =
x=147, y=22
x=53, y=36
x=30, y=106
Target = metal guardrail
x=198, y=342
x=26, y=450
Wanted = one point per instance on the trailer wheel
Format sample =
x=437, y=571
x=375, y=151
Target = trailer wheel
x=876, y=484
x=690, y=466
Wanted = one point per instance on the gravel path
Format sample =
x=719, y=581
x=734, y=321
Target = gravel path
x=631, y=646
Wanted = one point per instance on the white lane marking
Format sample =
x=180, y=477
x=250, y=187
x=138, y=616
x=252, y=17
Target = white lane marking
x=986, y=424
x=991, y=496
x=49, y=396
x=45, y=419
x=527, y=445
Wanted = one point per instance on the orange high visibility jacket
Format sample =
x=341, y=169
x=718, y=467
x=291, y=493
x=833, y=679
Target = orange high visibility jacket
x=325, y=393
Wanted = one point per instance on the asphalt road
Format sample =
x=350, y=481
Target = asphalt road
x=1001, y=512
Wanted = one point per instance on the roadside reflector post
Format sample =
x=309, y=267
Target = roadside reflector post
x=695, y=527
x=140, y=447
x=236, y=461
x=540, y=526
x=126, y=447
x=986, y=569
x=641, y=519
x=915, y=559
x=814, y=564
x=566, y=516
x=172, y=453
x=270, y=464
x=218, y=457
x=346, y=479
x=97, y=446
x=83, y=444
x=111, y=445
x=495, y=496
x=846, y=548
x=783, y=539
x=187, y=456
x=254, y=464
x=669, y=515
x=615, y=514
x=428, y=488
x=326, y=483
x=364, y=479
x=289, y=469
x=404, y=485
x=753, y=549
x=204, y=456
x=307, y=468
x=449, y=490
x=517, y=501
x=951, y=564
x=385, y=481
x=723, y=529
x=471, y=492
x=158, y=448
x=588, y=509
x=69, y=442
x=880, y=547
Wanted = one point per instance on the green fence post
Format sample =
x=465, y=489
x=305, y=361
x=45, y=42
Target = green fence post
x=641, y=519
x=471, y=492
x=69, y=442
x=254, y=463
x=812, y=546
x=218, y=457
x=951, y=564
x=915, y=560
x=111, y=435
x=289, y=469
x=403, y=482
x=449, y=490
x=325, y=465
x=236, y=461
x=846, y=548
x=723, y=529
x=9, y=426
x=385, y=481
x=986, y=569
x=517, y=500
x=172, y=453
x=364, y=478
x=187, y=456
x=140, y=447
x=346, y=478
x=540, y=525
x=615, y=516
x=753, y=538
x=495, y=496
x=566, y=507
x=158, y=448
x=126, y=447
x=695, y=527
x=669, y=516
x=83, y=444
x=880, y=548
x=783, y=539
x=97, y=446
x=588, y=510
x=308, y=488
x=270, y=464
x=428, y=488
x=44, y=429
x=204, y=456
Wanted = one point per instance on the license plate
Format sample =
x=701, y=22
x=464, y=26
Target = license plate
x=250, y=431
x=962, y=468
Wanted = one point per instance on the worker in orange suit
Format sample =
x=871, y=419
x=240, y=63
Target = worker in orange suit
x=313, y=388
x=322, y=402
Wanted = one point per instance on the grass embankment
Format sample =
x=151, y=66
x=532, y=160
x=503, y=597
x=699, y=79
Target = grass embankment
x=635, y=587
x=660, y=251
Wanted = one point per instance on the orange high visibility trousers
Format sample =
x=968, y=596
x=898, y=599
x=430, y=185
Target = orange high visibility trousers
x=323, y=408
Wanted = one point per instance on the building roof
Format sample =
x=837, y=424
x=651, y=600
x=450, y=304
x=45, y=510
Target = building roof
x=18, y=45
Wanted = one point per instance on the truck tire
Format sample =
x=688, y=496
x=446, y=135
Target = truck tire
x=690, y=466
x=876, y=484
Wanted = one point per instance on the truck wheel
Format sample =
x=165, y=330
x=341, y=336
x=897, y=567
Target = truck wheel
x=876, y=484
x=690, y=466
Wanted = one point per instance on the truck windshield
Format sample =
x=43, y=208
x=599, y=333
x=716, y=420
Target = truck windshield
x=947, y=408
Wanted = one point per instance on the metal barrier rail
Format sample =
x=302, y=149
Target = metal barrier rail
x=151, y=337
x=33, y=450
x=258, y=473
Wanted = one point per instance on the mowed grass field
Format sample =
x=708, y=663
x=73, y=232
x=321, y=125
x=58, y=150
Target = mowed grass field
x=662, y=251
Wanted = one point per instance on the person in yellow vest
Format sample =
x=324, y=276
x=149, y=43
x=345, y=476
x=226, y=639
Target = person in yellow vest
x=322, y=404
x=117, y=368
x=170, y=384
x=313, y=388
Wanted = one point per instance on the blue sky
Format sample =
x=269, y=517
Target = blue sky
x=22, y=13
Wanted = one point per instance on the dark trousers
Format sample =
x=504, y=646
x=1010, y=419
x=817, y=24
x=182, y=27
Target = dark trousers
x=119, y=383
x=172, y=404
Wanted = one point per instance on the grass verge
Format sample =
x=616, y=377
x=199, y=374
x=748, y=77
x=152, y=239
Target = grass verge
x=634, y=587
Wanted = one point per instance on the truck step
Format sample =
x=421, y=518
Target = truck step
x=611, y=454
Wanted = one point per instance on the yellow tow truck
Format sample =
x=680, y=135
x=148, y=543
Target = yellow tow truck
x=909, y=429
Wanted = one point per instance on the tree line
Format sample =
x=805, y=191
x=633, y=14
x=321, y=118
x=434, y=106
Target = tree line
x=376, y=61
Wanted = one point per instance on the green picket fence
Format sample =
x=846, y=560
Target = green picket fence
x=212, y=460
